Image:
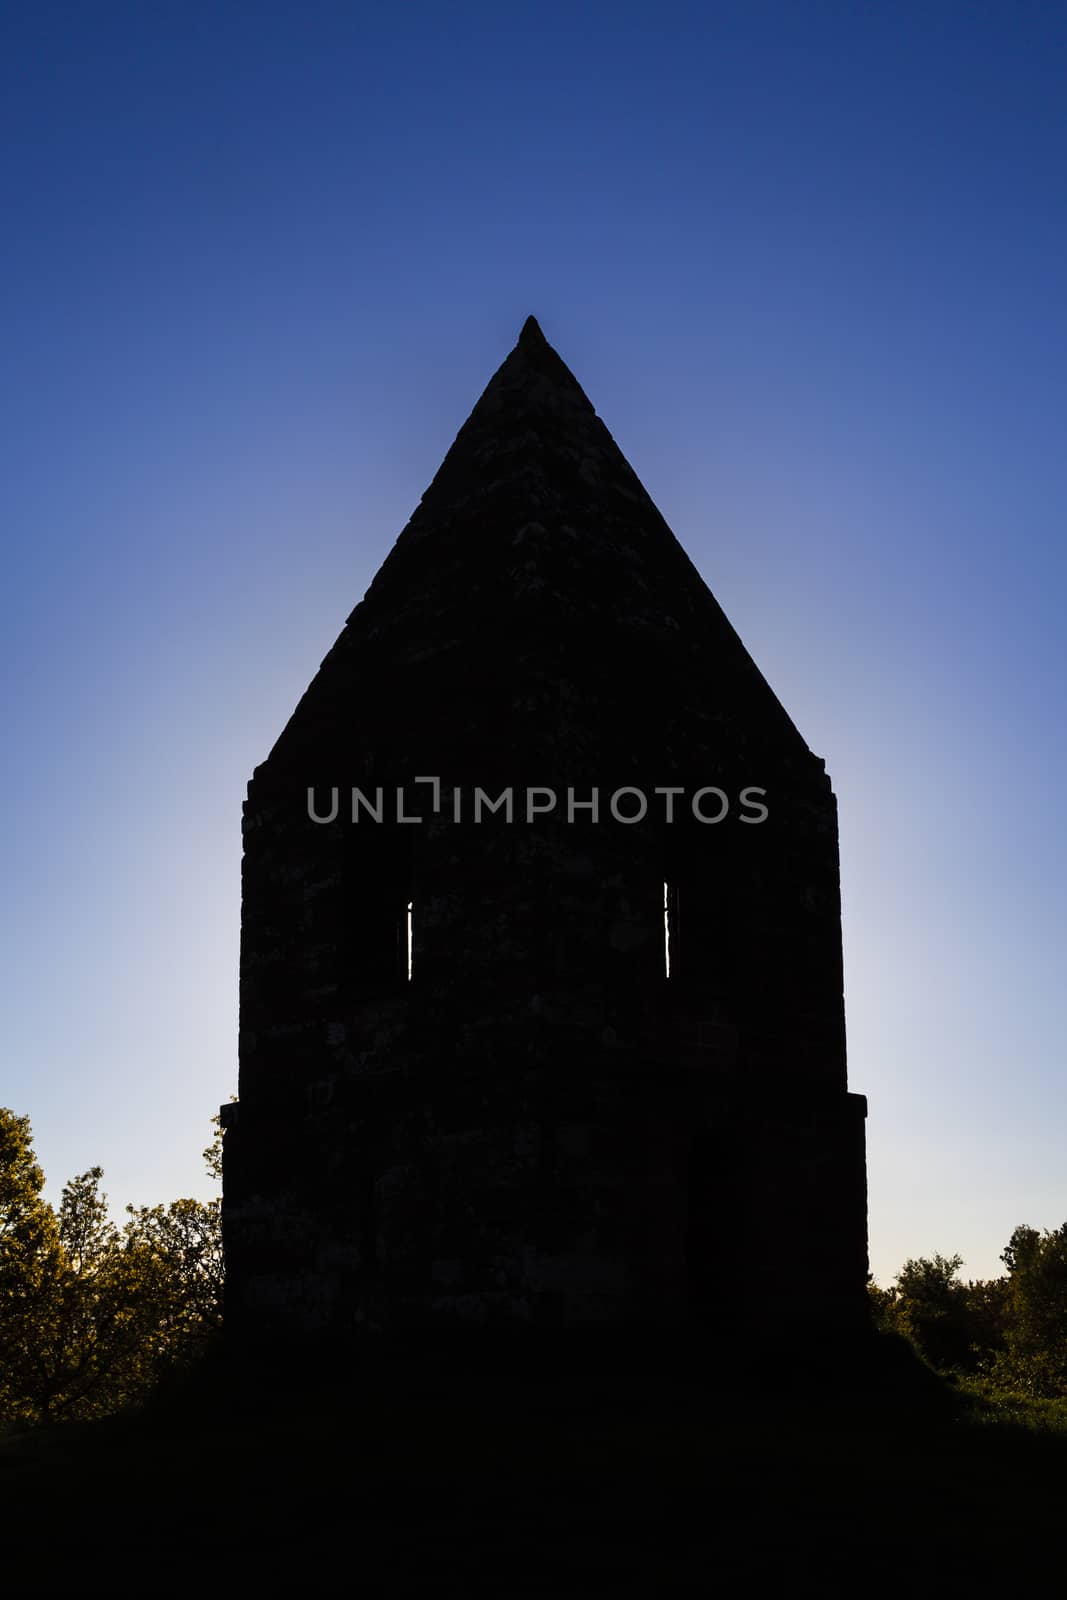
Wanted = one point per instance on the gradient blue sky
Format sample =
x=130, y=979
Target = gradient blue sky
x=808, y=261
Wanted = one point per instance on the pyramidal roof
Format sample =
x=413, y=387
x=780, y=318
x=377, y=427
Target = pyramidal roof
x=536, y=547
x=535, y=461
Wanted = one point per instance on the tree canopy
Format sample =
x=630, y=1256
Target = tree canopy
x=1011, y=1330
x=92, y=1314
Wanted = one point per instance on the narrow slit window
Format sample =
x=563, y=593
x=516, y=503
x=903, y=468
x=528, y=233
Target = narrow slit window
x=410, y=939
x=667, y=930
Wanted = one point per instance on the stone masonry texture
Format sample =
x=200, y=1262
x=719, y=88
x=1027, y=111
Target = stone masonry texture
x=532, y=1124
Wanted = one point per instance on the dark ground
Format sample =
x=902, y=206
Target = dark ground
x=447, y=1478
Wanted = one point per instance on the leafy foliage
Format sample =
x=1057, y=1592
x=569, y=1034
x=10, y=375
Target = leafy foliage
x=1009, y=1334
x=31, y=1261
x=91, y=1315
x=1033, y=1359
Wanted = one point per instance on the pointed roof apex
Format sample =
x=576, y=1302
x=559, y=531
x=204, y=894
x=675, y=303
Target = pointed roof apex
x=531, y=332
x=535, y=538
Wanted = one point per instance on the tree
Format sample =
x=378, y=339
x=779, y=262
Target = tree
x=179, y=1248
x=86, y=1232
x=1035, y=1316
x=96, y=1328
x=954, y=1325
x=91, y=1316
x=184, y=1241
x=931, y=1309
x=883, y=1305
x=30, y=1263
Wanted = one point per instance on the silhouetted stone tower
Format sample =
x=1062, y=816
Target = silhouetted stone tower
x=552, y=1068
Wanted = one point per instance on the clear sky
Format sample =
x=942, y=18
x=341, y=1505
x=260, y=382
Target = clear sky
x=807, y=259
